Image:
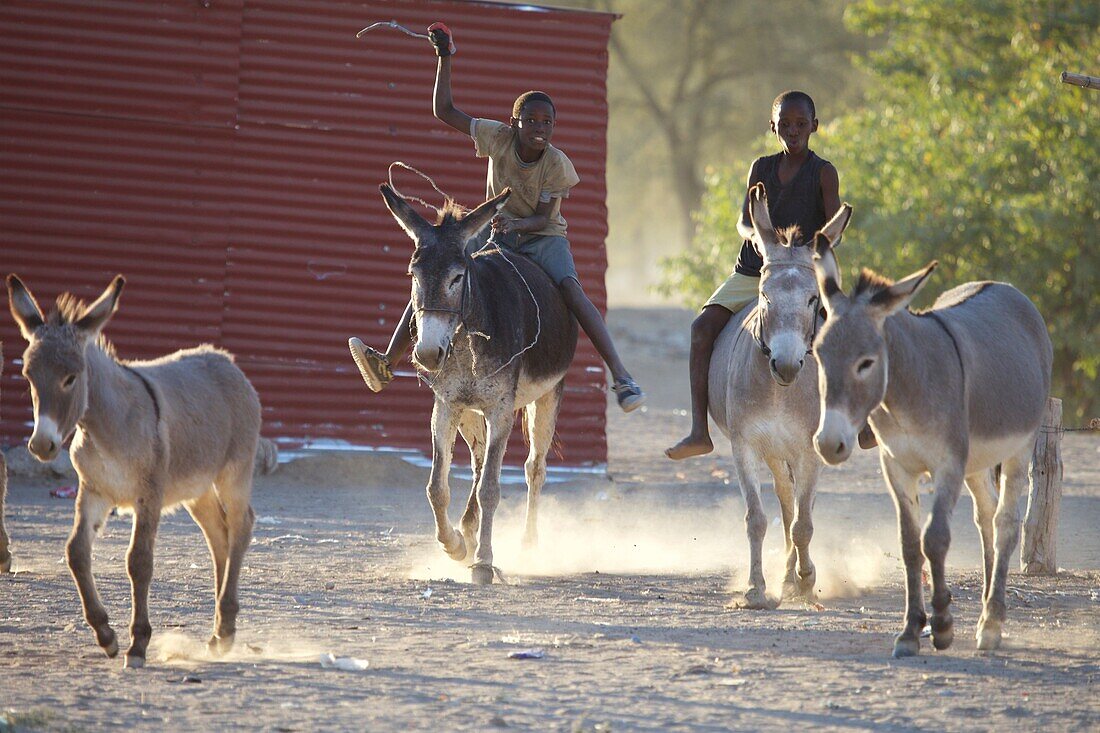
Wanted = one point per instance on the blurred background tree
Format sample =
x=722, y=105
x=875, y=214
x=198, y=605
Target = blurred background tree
x=968, y=151
x=690, y=88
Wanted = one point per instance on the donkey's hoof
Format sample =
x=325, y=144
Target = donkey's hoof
x=110, y=643
x=481, y=575
x=458, y=552
x=219, y=645
x=133, y=661
x=906, y=646
x=756, y=600
x=989, y=638
x=943, y=632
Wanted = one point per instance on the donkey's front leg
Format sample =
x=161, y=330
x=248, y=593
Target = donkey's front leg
x=444, y=427
x=139, y=566
x=802, y=528
x=756, y=523
x=91, y=512
x=5, y=555
x=935, y=541
x=499, y=424
x=472, y=427
x=903, y=486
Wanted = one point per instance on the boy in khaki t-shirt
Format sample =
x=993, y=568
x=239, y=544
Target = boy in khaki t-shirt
x=530, y=223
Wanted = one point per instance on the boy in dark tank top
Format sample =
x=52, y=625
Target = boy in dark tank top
x=803, y=189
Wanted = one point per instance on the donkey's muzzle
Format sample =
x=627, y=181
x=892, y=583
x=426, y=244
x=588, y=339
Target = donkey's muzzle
x=785, y=371
x=429, y=356
x=44, y=447
x=835, y=438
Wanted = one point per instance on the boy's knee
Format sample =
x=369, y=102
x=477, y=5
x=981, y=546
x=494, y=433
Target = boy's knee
x=708, y=324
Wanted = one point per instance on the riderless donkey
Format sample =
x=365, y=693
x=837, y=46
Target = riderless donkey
x=145, y=436
x=494, y=336
x=760, y=404
x=951, y=392
x=5, y=554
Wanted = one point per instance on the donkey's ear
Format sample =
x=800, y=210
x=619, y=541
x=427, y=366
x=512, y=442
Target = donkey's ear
x=24, y=308
x=890, y=300
x=826, y=269
x=759, y=216
x=835, y=227
x=413, y=223
x=476, y=220
x=96, y=315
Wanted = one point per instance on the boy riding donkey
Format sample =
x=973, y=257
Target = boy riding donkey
x=803, y=189
x=540, y=176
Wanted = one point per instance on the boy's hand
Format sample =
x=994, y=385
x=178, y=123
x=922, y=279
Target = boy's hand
x=440, y=36
x=503, y=225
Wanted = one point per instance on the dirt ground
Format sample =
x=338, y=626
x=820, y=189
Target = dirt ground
x=626, y=598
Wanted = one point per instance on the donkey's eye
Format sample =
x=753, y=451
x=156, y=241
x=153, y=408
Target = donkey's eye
x=864, y=366
x=456, y=280
x=68, y=381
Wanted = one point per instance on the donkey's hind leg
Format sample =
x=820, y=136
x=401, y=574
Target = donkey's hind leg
x=234, y=492
x=472, y=427
x=984, y=494
x=209, y=514
x=1006, y=532
x=541, y=417
x=5, y=554
x=91, y=513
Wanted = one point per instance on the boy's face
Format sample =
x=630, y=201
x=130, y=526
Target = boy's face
x=793, y=124
x=535, y=125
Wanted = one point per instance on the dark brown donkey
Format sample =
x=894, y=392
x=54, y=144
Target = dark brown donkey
x=181, y=429
x=495, y=337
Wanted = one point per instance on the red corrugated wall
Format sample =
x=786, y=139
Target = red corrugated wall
x=225, y=156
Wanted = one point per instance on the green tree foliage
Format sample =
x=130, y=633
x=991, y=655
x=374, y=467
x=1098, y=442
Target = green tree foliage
x=968, y=151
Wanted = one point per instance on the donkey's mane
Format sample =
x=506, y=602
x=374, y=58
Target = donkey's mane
x=790, y=236
x=67, y=311
x=870, y=283
x=451, y=212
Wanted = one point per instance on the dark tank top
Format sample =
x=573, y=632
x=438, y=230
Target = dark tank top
x=798, y=202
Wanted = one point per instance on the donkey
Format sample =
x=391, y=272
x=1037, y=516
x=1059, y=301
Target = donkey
x=5, y=543
x=181, y=429
x=494, y=335
x=951, y=392
x=760, y=404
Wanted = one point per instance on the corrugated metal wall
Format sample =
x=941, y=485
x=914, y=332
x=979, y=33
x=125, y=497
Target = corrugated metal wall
x=225, y=156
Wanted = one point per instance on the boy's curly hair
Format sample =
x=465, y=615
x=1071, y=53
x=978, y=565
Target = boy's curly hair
x=532, y=96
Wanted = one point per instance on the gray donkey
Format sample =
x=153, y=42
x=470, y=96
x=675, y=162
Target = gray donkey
x=5, y=542
x=145, y=436
x=760, y=404
x=950, y=392
x=494, y=335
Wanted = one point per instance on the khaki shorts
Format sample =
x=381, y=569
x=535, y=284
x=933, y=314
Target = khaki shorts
x=551, y=253
x=736, y=292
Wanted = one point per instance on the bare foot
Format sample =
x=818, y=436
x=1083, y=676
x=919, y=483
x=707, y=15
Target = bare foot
x=690, y=446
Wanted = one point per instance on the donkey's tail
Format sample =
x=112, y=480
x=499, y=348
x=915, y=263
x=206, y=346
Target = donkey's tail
x=267, y=457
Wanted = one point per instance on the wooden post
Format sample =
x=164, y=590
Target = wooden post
x=1038, y=555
